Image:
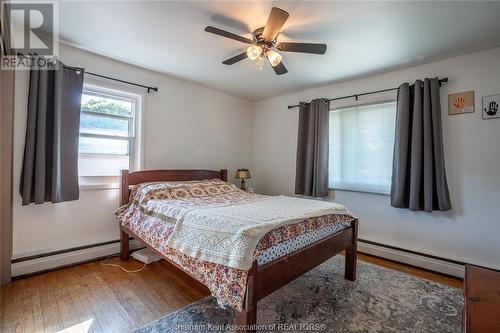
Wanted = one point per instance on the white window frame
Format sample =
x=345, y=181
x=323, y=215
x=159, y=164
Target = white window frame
x=352, y=105
x=135, y=137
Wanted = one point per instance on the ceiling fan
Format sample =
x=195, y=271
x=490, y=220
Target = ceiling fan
x=265, y=40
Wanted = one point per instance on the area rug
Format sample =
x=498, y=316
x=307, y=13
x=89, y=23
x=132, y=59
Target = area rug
x=380, y=300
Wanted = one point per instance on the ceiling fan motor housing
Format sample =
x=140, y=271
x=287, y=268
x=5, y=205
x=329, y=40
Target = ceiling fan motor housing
x=260, y=40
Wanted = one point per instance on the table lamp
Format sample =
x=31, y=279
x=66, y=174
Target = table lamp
x=242, y=174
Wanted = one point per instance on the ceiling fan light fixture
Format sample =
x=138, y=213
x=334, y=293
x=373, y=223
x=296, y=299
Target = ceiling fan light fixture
x=273, y=57
x=254, y=51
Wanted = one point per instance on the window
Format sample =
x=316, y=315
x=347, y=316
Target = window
x=361, y=147
x=107, y=136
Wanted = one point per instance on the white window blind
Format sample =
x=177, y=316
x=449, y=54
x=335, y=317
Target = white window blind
x=361, y=147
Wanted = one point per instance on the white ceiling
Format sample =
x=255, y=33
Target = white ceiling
x=362, y=37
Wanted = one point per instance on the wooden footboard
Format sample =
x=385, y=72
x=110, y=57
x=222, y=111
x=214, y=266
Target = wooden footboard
x=262, y=280
x=265, y=279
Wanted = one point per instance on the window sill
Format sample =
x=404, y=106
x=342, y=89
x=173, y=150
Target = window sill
x=99, y=186
x=358, y=191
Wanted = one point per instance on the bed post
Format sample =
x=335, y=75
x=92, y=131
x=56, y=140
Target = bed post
x=351, y=253
x=124, y=246
x=124, y=187
x=223, y=174
x=248, y=316
x=124, y=194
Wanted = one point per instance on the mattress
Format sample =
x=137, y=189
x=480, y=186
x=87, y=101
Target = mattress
x=298, y=242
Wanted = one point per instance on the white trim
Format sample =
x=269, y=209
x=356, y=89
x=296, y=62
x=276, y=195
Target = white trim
x=413, y=259
x=99, y=182
x=356, y=104
x=68, y=258
x=99, y=186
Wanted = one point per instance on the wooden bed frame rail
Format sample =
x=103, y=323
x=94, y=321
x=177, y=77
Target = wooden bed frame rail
x=262, y=280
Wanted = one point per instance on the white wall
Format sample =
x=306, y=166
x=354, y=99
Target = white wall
x=186, y=126
x=471, y=231
x=190, y=126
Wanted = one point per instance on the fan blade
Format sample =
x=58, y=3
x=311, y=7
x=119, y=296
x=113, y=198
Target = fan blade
x=275, y=22
x=227, y=34
x=302, y=47
x=280, y=69
x=235, y=59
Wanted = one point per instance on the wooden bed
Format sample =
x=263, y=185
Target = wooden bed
x=262, y=280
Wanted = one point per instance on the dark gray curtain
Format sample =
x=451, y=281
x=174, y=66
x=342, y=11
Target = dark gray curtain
x=311, y=177
x=50, y=166
x=418, y=173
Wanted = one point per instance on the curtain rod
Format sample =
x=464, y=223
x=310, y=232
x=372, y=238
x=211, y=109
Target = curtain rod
x=100, y=75
x=123, y=81
x=356, y=96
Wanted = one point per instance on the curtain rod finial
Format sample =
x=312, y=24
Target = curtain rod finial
x=443, y=80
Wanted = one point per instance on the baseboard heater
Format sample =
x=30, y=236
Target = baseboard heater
x=413, y=258
x=48, y=261
x=57, y=259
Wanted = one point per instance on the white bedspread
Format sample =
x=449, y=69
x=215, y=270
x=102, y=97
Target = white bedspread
x=229, y=234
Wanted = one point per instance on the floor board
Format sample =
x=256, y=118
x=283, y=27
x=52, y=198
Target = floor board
x=95, y=298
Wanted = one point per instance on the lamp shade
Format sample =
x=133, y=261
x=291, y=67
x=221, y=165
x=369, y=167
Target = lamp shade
x=242, y=174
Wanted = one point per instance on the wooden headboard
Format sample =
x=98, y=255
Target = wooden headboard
x=133, y=178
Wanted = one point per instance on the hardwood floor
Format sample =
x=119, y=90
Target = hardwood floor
x=95, y=298
x=102, y=298
x=449, y=281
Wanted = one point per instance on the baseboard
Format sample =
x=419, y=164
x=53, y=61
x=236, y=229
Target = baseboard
x=45, y=263
x=413, y=259
x=49, y=262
